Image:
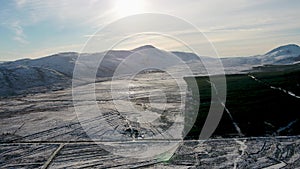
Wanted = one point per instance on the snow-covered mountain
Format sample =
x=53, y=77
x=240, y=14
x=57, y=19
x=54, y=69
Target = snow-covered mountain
x=288, y=54
x=56, y=71
x=282, y=55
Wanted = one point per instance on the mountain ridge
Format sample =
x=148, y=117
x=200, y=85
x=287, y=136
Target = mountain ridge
x=58, y=68
x=295, y=46
x=288, y=47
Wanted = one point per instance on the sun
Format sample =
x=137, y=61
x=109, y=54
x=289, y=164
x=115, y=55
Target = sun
x=129, y=7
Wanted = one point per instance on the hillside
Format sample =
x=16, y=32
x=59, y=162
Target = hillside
x=56, y=71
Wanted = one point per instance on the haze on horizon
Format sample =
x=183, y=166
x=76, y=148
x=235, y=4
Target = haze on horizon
x=31, y=28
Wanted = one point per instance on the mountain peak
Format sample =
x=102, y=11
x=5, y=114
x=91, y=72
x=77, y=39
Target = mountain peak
x=286, y=49
x=144, y=47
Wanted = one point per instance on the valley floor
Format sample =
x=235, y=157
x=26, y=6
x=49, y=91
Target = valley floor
x=43, y=131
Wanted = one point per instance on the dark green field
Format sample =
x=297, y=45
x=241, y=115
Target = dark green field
x=257, y=109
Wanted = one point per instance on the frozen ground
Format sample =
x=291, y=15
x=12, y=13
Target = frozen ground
x=43, y=131
x=280, y=152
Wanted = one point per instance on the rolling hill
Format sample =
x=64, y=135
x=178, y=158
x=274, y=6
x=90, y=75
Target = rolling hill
x=56, y=71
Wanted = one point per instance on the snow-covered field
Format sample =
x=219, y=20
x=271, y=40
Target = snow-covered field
x=48, y=127
x=43, y=130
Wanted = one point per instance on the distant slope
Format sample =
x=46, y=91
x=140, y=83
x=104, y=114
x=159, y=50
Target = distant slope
x=30, y=75
x=56, y=71
x=25, y=79
x=283, y=55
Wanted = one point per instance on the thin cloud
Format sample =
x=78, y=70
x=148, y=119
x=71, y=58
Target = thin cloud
x=20, y=3
x=54, y=50
x=230, y=25
x=19, y=33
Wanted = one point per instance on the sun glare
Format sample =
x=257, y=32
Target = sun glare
x=129, y=7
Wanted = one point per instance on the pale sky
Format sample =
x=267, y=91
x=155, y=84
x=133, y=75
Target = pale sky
x=33, y=28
